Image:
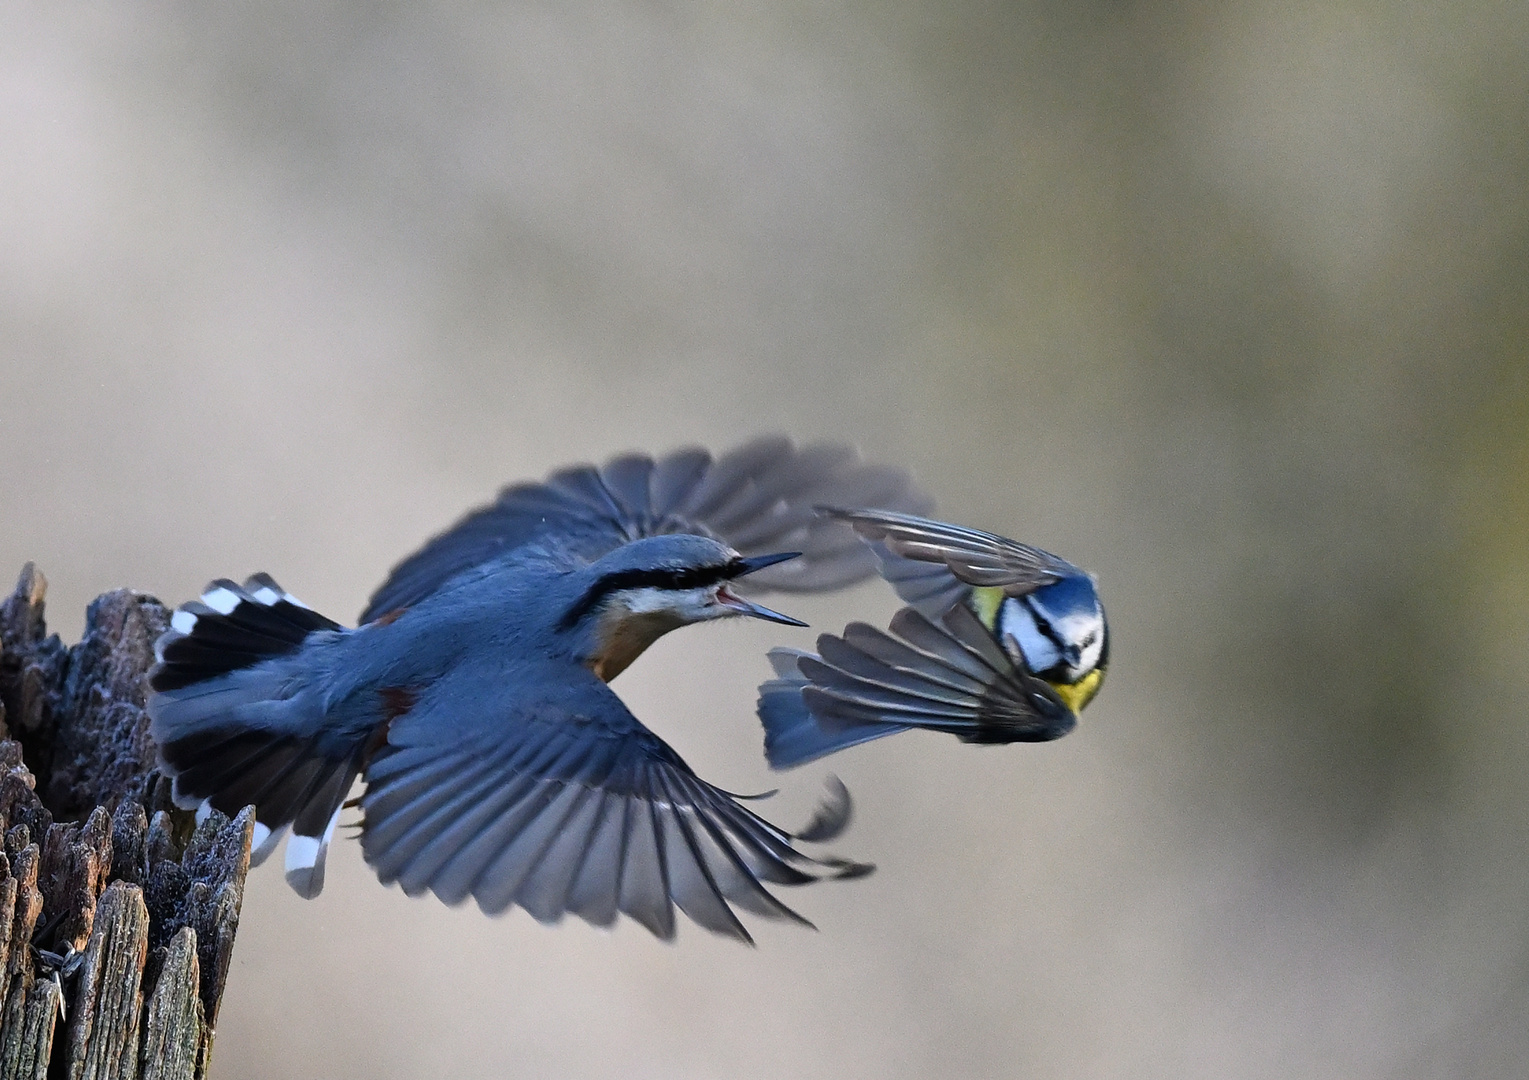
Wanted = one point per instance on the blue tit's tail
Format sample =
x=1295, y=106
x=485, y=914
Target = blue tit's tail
x=793, y=735
x=239, y=720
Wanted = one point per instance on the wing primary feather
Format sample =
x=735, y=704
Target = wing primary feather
x=829, y=705
x=674, y=478
x=595, y=894
x=728, y=470
x=643, y=894
x=544, y=891
x=689, y=879
x=392, y=841
x=768, y=858
x=924, y=682
x=965, y=629
x=489, y=853
x=976, y=557
x=627, y=478
x=862, y=691
x=582, y=484
x=747, y=891
x=903, y=657
x=501, y=877
x=800, y=474
x=922, y=634
x=446, y=848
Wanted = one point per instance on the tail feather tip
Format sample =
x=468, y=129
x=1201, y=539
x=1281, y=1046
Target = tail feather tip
x=305, y=860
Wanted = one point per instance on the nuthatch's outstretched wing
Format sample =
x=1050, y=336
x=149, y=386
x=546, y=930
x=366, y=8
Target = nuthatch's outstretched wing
x=558, y=800
x=932, y=564
x=758, y=499
x=949, y=676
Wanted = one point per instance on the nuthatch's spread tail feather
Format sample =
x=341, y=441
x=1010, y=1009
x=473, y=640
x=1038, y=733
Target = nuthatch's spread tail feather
x=232, y=627
x=237, y=723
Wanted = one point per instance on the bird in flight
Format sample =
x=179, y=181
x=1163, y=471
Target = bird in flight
x=473, y=702
x=1001, y=642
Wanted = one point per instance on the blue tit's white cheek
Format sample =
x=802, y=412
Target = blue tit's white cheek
x=1086, y=632
x=1093, y=644
x=1017, y=631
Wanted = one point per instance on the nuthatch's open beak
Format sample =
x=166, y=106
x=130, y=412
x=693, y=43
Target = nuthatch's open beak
x=729, y=599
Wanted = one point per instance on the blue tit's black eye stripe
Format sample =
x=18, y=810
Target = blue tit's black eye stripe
x=1044, y=625
x=673, y=579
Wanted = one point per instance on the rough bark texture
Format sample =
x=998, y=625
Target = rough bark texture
x=117, y=911
x=172, y=1041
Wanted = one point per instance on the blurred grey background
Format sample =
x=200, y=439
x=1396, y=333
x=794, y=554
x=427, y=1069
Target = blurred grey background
x=1224, y=301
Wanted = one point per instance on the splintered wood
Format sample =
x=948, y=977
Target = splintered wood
x=117, y=922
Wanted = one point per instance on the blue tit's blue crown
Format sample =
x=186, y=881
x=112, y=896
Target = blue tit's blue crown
x=1058, y=631
x=1072, y=597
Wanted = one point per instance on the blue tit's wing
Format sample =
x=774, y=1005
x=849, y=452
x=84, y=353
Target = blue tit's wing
x=559, y=800
x=946, y=676
x=932, y=564
x=758, y=499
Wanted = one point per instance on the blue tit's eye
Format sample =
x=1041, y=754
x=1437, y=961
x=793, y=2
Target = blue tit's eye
x=1022, y=631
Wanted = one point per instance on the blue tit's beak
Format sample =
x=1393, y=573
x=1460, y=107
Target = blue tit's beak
x=729, y=599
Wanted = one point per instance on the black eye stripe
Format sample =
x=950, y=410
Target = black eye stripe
x=1043, y=624
x=673, y=579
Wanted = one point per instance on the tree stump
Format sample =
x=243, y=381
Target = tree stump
x=117, y=910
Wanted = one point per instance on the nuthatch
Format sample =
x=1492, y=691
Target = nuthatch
x=472, y=698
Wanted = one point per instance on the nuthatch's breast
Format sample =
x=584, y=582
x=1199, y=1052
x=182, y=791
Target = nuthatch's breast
x=622, y=635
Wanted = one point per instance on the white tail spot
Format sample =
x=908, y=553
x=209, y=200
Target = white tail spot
x=183, y=621
x=305, y=860
x=264, y=843
x=221, y=600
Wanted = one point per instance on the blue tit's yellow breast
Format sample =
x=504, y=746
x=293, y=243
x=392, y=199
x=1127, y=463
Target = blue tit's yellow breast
x=1078, y=694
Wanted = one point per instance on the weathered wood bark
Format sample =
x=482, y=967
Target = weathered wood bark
x=117, y=910
x=172, y=1041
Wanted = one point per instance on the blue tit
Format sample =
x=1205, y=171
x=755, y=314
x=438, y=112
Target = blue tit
x=1001, y=642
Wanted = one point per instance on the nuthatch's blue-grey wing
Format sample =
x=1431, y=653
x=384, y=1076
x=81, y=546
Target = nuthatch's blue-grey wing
x=758, y=499
x=946, y=676
x=933, y=564
x=539, y=789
